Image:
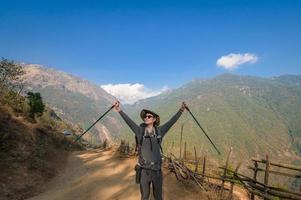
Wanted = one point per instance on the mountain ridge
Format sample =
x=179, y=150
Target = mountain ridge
x=255, y=115
x=76, y=100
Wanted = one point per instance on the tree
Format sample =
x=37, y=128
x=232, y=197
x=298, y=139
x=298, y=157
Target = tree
x=10, y=74
x=35, y=103
x=11, y=84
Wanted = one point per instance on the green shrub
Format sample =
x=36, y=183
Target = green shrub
x=36, y=104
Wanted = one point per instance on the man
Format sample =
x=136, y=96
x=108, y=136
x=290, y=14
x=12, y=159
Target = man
x=149, y=135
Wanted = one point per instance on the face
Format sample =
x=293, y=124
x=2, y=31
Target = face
x=149, y=119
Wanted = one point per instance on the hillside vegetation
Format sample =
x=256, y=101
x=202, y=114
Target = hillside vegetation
x=74, y=100
x=32, y=145
x=253, y=115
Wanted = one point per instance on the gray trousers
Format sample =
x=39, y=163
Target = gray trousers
x=151, y=177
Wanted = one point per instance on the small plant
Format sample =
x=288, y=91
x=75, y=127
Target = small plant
x=36, y=104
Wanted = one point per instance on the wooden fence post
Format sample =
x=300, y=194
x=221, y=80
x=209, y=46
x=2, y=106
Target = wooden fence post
x=254, y=177
x=181, y=141
x=266, y=175
x=204, y=168
x=196, y=160
x=225, y=170
x=232, y=183
x=185, y=151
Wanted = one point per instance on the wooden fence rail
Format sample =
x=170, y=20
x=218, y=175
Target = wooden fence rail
x=190, y=172
x=252, y=185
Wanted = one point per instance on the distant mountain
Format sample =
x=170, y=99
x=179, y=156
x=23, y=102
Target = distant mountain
x=74, y=99
x=253, y=115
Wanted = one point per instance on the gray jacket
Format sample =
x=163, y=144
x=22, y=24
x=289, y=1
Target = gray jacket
x=150, y=149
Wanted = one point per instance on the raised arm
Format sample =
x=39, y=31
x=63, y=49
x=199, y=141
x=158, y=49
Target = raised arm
x=165, y=127
x=133, y=126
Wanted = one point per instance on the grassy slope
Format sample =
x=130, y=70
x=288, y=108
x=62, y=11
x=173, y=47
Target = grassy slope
x=30, y=154
x=254, y=115
x=79, y=109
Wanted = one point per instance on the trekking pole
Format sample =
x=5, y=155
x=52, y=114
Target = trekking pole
x=94, y=123
x=202, y=129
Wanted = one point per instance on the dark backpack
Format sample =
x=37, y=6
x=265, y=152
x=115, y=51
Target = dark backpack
x=139, y=143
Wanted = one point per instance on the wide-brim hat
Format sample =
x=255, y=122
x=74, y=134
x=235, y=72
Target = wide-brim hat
x=145, y=111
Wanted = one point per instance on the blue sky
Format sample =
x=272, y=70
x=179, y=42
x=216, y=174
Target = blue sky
x=153, y=43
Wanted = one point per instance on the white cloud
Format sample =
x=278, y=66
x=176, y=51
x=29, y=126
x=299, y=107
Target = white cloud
x=130, y=93
x=232, y=61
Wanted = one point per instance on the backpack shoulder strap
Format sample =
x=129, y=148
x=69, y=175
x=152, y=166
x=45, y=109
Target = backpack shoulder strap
x=141, y=140
x=159, y=138
x=158, y=135
x=141, y=137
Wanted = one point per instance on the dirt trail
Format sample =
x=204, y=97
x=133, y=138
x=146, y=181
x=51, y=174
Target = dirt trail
x=103, y=175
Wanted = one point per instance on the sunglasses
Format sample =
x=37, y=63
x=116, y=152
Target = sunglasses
x=148, y=116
